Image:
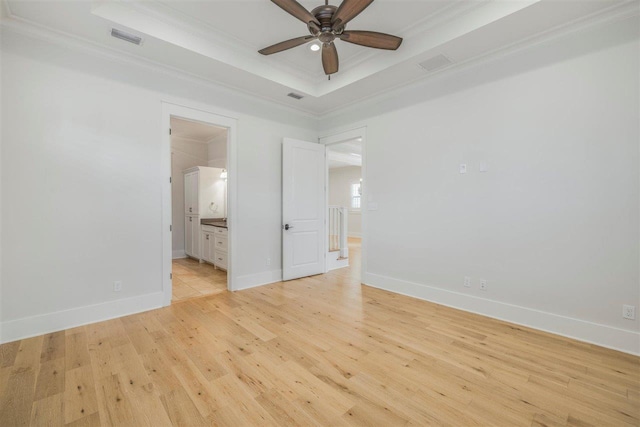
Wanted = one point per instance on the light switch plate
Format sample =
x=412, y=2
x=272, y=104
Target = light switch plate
x=463, y=168
x=484, y=167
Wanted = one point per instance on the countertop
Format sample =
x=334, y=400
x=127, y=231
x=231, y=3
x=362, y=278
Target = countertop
x=216, y=222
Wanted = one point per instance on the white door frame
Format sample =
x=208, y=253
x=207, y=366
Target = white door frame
x=336, y=138
x=201, y=114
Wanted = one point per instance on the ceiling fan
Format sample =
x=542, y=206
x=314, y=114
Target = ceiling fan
x=327, y=23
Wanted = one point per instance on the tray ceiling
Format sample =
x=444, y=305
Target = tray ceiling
x=218, y=40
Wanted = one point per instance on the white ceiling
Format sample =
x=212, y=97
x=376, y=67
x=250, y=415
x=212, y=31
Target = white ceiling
x=347, y=153
x=195, y=131
x=218, y=40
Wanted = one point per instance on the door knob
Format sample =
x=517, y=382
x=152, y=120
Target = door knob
x=287, y=226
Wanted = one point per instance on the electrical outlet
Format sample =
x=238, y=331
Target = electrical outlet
x=117, y=286
x=483, y=285
x=268, y=262
x=467, y=281
x=629, y=312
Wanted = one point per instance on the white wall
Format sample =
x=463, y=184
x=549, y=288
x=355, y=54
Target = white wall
x=217, y=156
x=340, y=181
x=185, y=154
x=81, y=187
x=554, y=223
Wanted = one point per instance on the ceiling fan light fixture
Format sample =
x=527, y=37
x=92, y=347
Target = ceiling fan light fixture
x=326, y=23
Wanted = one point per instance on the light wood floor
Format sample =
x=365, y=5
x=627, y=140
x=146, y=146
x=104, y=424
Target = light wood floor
x=319, y=351
x=192, y=279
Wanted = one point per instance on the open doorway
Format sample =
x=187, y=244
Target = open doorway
x=221, y=151
x=344, y=194
x=198, y=199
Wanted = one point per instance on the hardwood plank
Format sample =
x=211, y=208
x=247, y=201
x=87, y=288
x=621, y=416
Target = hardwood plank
x=48, y=411
x=181, y=409
x=8, y=353
x=76, y=350
x=88, y=421
x=80, y=398
x=17, y=400
x=53, y=346
x=318, y=351
x=50, y=379
x=114, y=405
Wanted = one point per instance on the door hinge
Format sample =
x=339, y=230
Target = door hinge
x=169, y=131
x=170, y=180
x=170, y=227
x=170, y=275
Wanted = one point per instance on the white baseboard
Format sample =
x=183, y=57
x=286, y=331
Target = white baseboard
x=354, y=234
x=178, y=254
x=27, y=327
x=593, y=333
x=333, y=263
x=258, y=279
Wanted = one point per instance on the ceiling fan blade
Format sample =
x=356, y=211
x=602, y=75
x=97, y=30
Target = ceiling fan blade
x=329, y=58
x=348, y=10
x=371, y=39
x=288, y=44
x=296, y=9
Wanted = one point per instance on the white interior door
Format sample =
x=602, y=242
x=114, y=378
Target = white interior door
x=303, y=210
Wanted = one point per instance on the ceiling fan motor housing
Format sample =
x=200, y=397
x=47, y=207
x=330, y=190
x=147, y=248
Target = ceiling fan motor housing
x=327, y=23
x=324, y=14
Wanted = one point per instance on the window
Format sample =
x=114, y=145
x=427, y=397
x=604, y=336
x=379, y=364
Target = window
x=356, y=193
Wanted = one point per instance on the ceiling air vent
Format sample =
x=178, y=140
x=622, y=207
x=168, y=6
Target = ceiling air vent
x=432, y=64
x=122, y=35
x=295, y=95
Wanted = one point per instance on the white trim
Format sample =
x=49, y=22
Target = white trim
x=197, y=112
x=593, y=333
x=39, y=31
x=213, y=162
x=616, y=12
x=12, y=22
x=60, y=320
x=178, y=254
x=336, y=138
x=354, y=234
x=258, y=279
x=333, y=263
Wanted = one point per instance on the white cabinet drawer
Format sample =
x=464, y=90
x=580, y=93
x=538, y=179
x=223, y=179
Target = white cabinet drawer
x=221, y=243
x=218, y=231
x=220, y=259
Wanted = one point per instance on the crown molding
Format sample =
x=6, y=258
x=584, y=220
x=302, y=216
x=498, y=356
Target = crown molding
x=619, y=12
x=165, y=13
x=18, y=25
x=428, y=22
x=194, y=140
